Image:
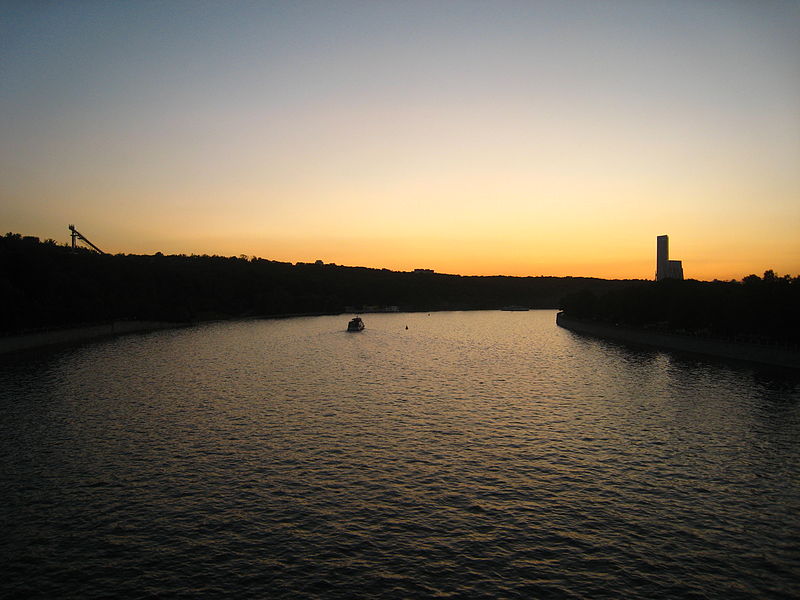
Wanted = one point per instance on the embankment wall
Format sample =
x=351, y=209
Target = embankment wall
x=28, y=341
x=764, y=354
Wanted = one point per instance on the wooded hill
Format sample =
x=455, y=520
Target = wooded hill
x=759, y=309
x=46, y=285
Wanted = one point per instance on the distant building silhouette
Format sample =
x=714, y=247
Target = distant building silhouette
x=666, y=268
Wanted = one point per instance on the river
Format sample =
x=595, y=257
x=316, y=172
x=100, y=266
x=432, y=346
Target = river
x=452, y=455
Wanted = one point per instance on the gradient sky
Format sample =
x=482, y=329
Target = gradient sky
x=512, y=138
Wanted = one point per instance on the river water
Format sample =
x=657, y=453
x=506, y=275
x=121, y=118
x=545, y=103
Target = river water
x=471, y=455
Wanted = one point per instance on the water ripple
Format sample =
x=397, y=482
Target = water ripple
x=473, y=455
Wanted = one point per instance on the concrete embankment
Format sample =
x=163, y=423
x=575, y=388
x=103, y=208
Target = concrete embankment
x=41, y=339
x=758, y=353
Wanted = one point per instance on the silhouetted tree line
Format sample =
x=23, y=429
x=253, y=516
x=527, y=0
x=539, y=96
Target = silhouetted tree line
x=45, y=284
x=760, y=308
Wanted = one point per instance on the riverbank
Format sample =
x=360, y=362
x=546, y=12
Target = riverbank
x=764, y=354
x=28, y=341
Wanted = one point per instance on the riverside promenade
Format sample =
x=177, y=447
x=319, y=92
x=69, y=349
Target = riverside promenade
x=28, y=341
x=774, y=355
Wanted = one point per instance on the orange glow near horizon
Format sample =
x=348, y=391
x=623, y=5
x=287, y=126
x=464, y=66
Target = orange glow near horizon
x=469, y=256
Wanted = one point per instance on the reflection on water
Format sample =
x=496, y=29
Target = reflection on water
x=485, y=454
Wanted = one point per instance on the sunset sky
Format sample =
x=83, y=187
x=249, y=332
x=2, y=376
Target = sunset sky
x=479, y=138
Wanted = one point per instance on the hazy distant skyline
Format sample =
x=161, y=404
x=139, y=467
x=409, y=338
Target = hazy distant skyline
x=513, y=138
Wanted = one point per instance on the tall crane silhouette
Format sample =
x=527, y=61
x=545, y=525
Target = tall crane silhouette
x=77, y=235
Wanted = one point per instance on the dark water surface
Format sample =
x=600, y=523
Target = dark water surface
x=474, y=455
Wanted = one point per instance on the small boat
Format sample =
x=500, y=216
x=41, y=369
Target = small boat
x=355, y=324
